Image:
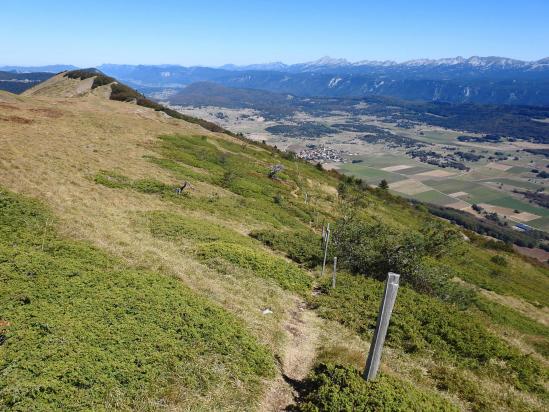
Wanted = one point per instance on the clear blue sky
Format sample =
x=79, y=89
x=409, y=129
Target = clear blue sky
x=203, y=32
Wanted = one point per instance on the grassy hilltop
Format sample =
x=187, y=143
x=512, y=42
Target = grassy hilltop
x=118, y=293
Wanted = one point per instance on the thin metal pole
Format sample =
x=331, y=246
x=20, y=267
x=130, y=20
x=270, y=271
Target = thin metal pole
x=326, y=248
x=384, y=316
x=334, y=274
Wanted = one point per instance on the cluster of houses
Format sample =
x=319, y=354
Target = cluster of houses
x=320, y=153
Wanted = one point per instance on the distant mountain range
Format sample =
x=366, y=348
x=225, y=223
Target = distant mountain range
x=54, y=68
x=486, y=80
x=474, y=65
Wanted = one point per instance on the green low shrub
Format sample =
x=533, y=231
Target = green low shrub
x=175, y=226
x=425, y=324
x=507, y=317
x=262, y=264
x=520, y=278
x=337, y=389
x=303, y=247
x=112, y=179
x=115, y=180
x=85, y=332
x=499, y=260
x=151, y=186
x=454, y=381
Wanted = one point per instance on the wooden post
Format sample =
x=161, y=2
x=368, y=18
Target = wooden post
x=334, y=274
x=326, y=248
x=383, y=318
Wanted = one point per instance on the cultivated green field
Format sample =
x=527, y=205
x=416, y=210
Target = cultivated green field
x=452, y=185
x=522, y=184
x=417, y=169
x=437, y=198
x=542, y=223
x=371, y=174
x=488, y=182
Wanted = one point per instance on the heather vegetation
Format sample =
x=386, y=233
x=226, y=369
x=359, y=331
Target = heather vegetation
x=337, y=388
x=83, y=331
x=424, y=324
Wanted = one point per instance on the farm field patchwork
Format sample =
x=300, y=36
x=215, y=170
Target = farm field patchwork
x=435, y=173
x=396, y=168
x=416, y=169
x=518, y=170
x=432, y=196
x=385, y=160
x=512, y=203
x=372, y=176
x=459, y=194
x=447, y=187
x=438, y=136
x=483, y=194
x=508, y=212
x=459, y=204
x=499, y=166
x=410, y=187
x=452, y=185
x=522, y=184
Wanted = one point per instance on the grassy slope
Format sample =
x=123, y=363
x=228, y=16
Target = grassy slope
x=111, y=181
x=87, y=332
x=465, y=344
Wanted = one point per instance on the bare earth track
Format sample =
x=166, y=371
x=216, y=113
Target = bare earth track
x=302, y=330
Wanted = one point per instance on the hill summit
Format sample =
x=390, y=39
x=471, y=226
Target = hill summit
x=91, y=81
x=77, y=83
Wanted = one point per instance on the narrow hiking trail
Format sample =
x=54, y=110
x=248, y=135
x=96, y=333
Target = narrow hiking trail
x=303, y=331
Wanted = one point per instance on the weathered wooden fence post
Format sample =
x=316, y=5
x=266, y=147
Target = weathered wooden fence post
x=383, y=318
x=334, y=274
x=326, y=248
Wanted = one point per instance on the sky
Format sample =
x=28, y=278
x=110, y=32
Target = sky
x=213, y=33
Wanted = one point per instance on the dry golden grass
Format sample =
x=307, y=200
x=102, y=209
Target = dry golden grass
x=410, y=187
